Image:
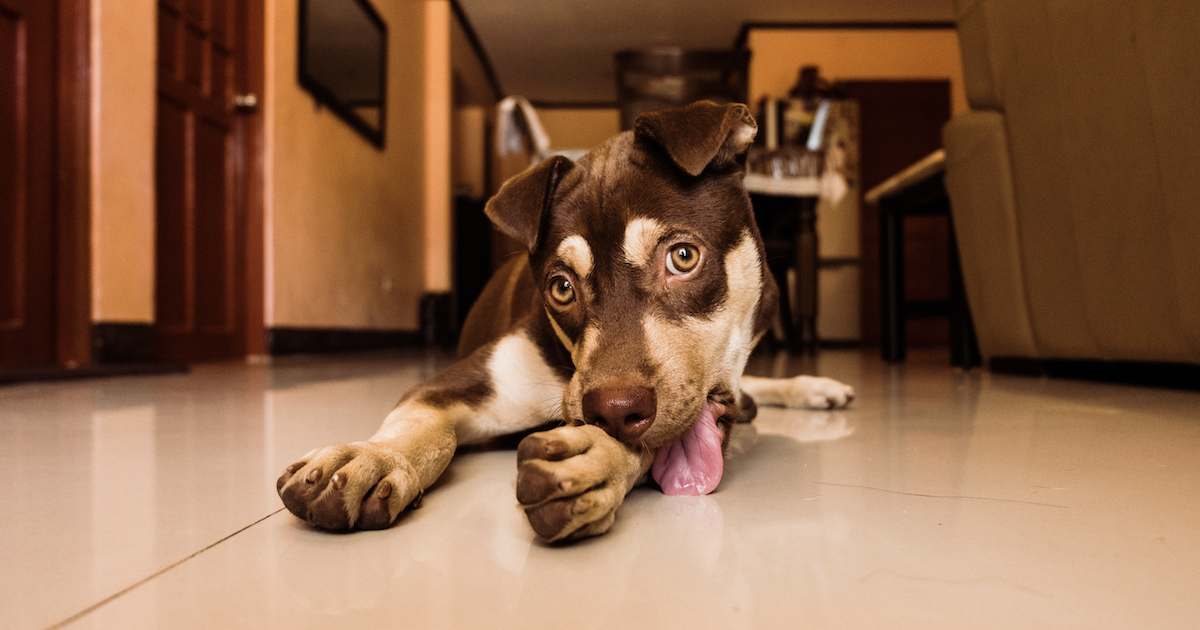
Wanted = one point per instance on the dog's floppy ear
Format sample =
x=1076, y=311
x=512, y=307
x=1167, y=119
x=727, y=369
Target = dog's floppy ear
x=518, y=208
x=700, y=134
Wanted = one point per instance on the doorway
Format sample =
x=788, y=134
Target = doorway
x=208, y=241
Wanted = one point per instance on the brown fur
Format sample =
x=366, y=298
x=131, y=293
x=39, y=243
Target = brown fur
x=598, y=332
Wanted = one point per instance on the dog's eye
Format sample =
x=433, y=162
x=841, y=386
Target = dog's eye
x=562, y=290
x=683, y=259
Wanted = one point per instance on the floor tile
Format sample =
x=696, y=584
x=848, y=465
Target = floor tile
x=939, y=498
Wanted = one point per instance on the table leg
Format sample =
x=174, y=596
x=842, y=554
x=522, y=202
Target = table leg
x=806, y=276
x=891, y=282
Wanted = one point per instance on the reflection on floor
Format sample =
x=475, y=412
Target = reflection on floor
x=939, y=499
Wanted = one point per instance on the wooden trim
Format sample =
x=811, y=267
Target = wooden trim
x=282, y=340
x=73, y=166
x=326, y=96
x=253, y=186
x=1161, y=374
x=122, y=343
x=744, y=32
x=28, y=375
x=576, y=104
x=480, y=51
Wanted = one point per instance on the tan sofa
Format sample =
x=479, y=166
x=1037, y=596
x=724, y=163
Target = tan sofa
x=1075, y=179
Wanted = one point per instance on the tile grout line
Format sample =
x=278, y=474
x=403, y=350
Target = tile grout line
x=941, y=496
x=107, y=600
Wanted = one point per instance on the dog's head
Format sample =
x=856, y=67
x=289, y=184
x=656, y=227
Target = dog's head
x=651, y=269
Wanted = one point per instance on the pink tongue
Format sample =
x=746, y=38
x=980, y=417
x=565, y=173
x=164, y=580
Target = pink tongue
x=692, y=466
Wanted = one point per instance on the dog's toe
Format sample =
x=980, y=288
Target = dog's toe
x=375, y=512
x=565, y=482
x=328, y=511
x=349, y=486
x=537, y=483
x=549, y=520
x=815, y=392
x=554, y=445
x=572, y=518
x=287, y=475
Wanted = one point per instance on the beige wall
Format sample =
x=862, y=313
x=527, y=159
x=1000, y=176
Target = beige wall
x=345, y=220
x=854, y=54
x=123, y=104
x=471, y=83
x=438, y=110
x=571, y=128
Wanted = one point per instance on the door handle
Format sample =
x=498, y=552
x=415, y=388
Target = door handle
x=245, y=103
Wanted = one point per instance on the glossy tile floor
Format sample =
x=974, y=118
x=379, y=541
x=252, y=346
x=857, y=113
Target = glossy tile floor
x=939, y=499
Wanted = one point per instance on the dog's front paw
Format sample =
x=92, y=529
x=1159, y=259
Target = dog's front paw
x=344, y=486
x=816, y=392
x=571, y=480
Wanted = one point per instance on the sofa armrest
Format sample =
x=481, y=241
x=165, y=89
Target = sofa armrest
x=979, y=183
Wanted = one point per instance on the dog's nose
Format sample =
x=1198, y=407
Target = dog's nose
x=623, y=412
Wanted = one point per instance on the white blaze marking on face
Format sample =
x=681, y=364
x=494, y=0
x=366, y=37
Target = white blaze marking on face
x=586, y=348
x=717, y=347
x=581, y=356
x=641, y=240
x=562, y=335
x=574, y=251
x=527, y=391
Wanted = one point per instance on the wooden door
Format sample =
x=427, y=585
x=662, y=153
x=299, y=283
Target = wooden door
x=27, y=175
x=201, y=171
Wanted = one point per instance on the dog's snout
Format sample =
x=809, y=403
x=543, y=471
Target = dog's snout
x=623, y=412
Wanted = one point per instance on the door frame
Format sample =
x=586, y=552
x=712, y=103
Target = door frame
x=73, y=202
x=253, y=184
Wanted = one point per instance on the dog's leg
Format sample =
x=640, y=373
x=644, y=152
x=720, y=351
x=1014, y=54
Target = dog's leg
x=503, y=388
x=801, y=392
x=572, y=479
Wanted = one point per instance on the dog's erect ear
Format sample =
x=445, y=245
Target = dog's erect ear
x=518, y=208
x=700, y=134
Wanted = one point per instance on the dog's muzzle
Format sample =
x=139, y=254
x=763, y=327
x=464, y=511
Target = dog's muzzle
x=625, y=413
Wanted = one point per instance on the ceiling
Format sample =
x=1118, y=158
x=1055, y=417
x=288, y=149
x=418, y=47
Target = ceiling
x=561, y=51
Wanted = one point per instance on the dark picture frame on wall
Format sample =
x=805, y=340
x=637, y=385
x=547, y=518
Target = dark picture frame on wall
x=343, y=47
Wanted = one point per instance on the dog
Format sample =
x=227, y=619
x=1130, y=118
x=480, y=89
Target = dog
x=627, y=324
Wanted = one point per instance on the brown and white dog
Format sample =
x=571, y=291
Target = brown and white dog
x=630, y=322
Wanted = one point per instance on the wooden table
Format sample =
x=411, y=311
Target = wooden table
x=918, y=190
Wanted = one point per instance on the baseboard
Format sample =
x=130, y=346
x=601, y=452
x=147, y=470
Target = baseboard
x=1140, y=373
x=122, y=343
x=439, y=319
x=288, y=340
x=27, y=375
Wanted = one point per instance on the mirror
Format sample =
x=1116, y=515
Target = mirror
x=343, y=62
